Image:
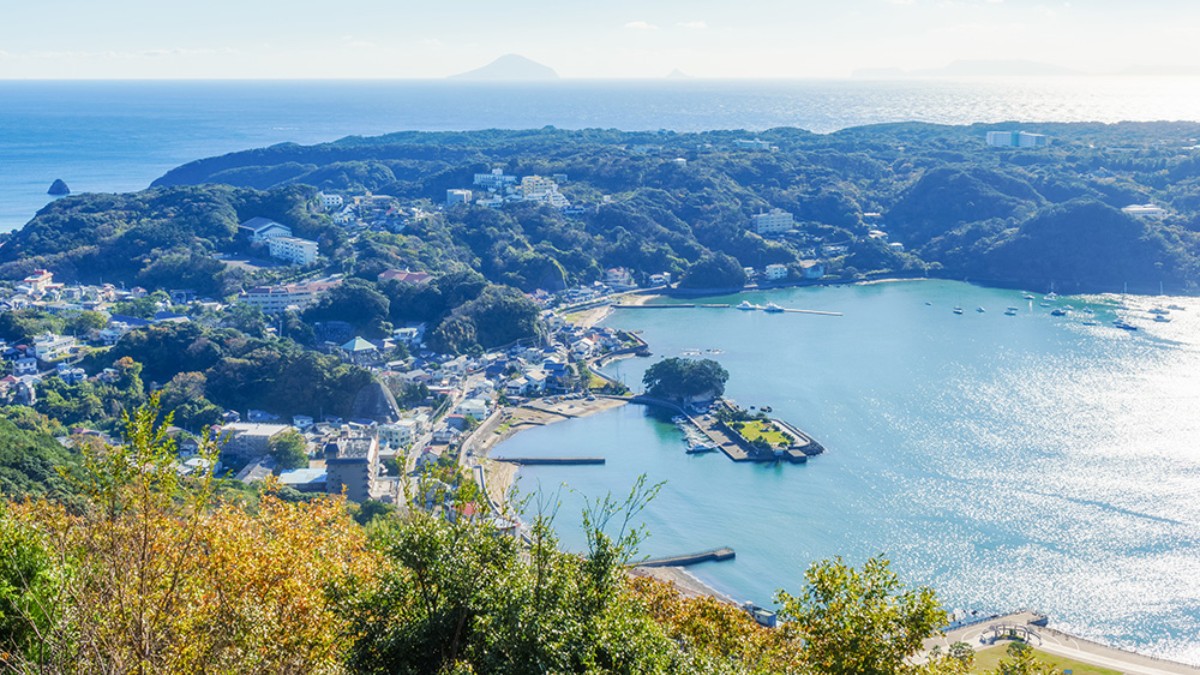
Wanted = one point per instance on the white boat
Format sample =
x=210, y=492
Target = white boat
x=958, y=310
x=1177, y=308
x=980, y=310
x=1029, y=296
x=1159, y=311
x=1124, y=325
x=1161, y=319
x=773, y=308
x=1011, y=311
x=745, y=306
x=1051, y=296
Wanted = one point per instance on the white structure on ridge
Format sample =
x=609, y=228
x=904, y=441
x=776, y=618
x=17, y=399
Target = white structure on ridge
x=1016, y=139
x=496, y=180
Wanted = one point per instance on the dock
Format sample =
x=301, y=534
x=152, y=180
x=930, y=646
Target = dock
x=560, y=461
x=711, y=555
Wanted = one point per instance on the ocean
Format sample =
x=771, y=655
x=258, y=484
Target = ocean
x=119, y=136
x=1008, y=462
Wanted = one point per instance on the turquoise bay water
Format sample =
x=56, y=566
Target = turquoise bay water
x=1010, y=462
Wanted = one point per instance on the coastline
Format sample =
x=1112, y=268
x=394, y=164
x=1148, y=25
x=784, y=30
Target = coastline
x=500, y=476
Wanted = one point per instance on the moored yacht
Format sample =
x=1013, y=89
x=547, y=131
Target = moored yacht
x=746, y=306
x=772, y=307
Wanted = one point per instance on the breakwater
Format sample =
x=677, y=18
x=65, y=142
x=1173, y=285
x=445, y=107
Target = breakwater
x=711, y=555
x=561, y=461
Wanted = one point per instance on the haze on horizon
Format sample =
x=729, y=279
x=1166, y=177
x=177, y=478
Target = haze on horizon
x=358, y=39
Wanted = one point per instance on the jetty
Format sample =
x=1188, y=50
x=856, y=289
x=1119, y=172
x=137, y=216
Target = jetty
x=690, y=305
x=711, y=555
x=560, y=461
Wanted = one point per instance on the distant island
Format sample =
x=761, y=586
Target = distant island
x=509, y=67
x=58, y=188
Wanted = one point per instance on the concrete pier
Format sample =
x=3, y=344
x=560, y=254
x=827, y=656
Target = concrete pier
x=562, y=461
x=711, y=555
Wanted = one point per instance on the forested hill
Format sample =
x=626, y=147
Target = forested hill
x=664, y=201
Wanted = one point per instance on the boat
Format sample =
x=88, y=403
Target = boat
x=928, y=303
x=1177, y=308
x=1089, y=322
x=1011, y=311
x=1051, y=296
x=1162, y=319
x=699, y=448
x=773, y=308
x=1158, y=311
x=745, y=306
x=1029, y=296
x=1044, y=304
x=1088, y=310
x=980, y=310
x=1058, y=311
x=958, y=310
x=1124, y=325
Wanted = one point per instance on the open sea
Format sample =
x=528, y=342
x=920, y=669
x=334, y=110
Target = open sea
x=1009, y=462
x=118, y=136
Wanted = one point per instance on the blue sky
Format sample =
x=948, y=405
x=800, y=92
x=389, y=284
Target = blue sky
x=615, y=38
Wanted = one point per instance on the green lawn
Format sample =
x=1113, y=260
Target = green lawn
x=986, y=660
x=764, y=429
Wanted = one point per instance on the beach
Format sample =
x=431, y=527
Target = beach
x=512, y=420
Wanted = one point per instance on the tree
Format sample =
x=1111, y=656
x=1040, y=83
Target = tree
x=685, y=379
x=855, y=621
x=289, y=449
x=717, y=270
x=354, y=301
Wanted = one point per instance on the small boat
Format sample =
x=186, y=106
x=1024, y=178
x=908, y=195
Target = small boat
x=928, y=303
x=1177, y=308
x=980, y=310
x=699, y=448
x=1044, y=304
x=1124, y=325
x=958, y=310
x=1088, y=310
x=1159, y=311
x=1011, y=311
x=1091, y=323
x=1161, y=319
x=745, y=306
x=1029, y=296
x=773, y=308
x=1051, y=296
x=1058, y=311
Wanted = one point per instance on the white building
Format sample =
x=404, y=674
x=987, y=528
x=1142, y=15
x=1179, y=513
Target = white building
x=248, y=440
x=775, y=221
x=399, y=435
x=752, y=144
x=1016, y=139
x=294, y=250
x=1145, y=211
x=473, y=407
x=496, y=180
x=330, y=202
x=543, y=190
x=264, y=229
x=775, y=272
x=51, y=347
x=276, y=299
x=454, y=197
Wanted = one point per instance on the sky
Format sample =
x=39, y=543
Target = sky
x=597, y=39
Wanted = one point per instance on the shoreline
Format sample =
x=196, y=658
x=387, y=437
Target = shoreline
x=501, y=476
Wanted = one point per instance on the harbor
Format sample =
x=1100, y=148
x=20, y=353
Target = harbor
x=744, y=306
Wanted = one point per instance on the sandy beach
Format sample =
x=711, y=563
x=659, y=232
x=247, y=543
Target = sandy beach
x=514, y=419
x=590, y=317
x=684, y=581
